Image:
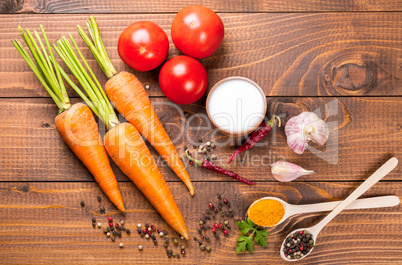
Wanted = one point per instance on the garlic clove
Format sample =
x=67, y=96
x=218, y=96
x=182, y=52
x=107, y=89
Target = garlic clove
x=285, y=171
x=305, y=127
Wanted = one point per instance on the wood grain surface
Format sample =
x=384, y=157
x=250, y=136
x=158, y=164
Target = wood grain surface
x=344, y=54
x=340, y=59
x=360, y=140
x=44, y=222
x=160, y=6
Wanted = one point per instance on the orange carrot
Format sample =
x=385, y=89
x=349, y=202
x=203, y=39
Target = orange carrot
x=127, y=149
x=123, y=142
x=76, y=123
x=78, y=128
x=128, y=96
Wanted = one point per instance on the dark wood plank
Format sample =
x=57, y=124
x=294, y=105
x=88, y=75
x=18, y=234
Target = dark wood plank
x=364, y=133
x=44, y=223
x=287, y=54
x=159, y=6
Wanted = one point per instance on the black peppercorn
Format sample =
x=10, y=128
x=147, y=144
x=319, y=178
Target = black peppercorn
x=219, y=196
x=99, y=198
x=82, y=203
x=146, y=226
x=93, y=220
x=113, y=238
x=216, y=236
x=199, y=230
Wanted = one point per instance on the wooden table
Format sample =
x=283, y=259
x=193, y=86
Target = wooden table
x=341, y=58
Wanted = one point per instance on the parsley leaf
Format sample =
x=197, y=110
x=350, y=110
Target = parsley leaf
x=246, y=242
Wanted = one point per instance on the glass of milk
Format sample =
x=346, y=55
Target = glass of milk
x=236, y=105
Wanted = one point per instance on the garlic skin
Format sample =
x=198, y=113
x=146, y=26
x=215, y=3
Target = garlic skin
x=306, y=126
x=285, y=171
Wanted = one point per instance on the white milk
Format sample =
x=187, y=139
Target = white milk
x=236, y=105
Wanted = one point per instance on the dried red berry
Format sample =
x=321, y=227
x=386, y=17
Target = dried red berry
x=213, y=229
x=183, y=252
x=225, y=232
x=211, y=205
x=110, y=219
x=110, y=224
x=149, y=232
x=144, y=231
x=191, y=163
x=117, y=225
x=153, y=227
x=225, y=201
x=216, y=225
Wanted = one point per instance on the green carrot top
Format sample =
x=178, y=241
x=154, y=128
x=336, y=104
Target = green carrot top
x=46, y=68
x=97, y=47
x=97, y=101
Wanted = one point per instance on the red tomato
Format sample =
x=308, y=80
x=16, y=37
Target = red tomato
x=183, y=80
x=197, y=31
x=143, y=45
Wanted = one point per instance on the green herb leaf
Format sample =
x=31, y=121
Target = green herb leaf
x=245, y=241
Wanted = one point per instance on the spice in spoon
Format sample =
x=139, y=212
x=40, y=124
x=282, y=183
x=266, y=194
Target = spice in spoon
x=256, y=136
x=211, y=166
x=298, y=244
x=266, y=212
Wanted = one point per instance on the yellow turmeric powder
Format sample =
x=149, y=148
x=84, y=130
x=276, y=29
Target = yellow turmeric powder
x=266, y=212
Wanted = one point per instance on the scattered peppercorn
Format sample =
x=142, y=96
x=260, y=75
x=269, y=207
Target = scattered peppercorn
x=93, y=225
x=146, y=236
x=161, y=234
x=182, y=237
x=178, y=256
x=175, y=241
x=139, y=225
x=113, y=238
x=165, y=245
x=208, y=249
x=108, y=234
x=225, y=232
x=121, y=245
x=225, y=201
x=144, y=231
x=146, y=226
x=155, y=242
x=138, y=231
x=207, y=238
x=216, y=236
x=202, y=247
x=183, y=252
x=99, y=198
x=117, y=226
x=140, y=247
x=93, y=220
x=99, y=225
x=102, y=209
x=210, y=205
x=129, y=232
x=82, y=203
x=222, y=213
x=149, y=232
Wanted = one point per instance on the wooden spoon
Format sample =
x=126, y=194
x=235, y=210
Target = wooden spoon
x=291, y=209
x=367, y=184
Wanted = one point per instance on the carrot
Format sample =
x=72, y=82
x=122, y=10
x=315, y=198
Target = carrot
x=137, y=163
x=75, y=123
x=128, y=95
x=78, y=128
x=123, y=142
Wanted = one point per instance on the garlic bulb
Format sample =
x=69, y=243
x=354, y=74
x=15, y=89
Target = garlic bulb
x=285, y=171
x=303, y=128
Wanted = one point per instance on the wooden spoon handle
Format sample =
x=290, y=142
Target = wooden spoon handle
x=367, y=184
x=366, y=203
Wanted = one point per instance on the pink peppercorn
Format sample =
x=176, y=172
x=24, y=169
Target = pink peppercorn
x=225, y=232
x=216, y=225
x=202, y=237
x=117, y=226
x=211, y=205
x=110, y=224
x=153, y=227
x=220, y=225
x=110, y=219
x=213, y=229
x=149, y=232
x=301, y=232
x=225, y=201
x=144, y=231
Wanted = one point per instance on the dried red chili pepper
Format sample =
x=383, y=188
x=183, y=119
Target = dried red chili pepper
x=211, y=166
x=256, y=136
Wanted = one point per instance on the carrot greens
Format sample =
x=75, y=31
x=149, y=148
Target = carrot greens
x=97, y=99
x=47, y=70
x=97, y=47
